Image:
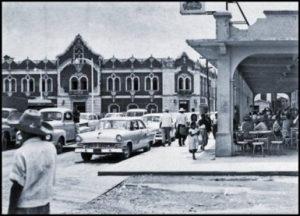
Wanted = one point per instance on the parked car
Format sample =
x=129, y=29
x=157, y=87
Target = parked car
x=8, y=135
x=152, y=121
x=119, y=114
x=118, y=135
x=136, y=112
x=61, y=119
x=89, y=120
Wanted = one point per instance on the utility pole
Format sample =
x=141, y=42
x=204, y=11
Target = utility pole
x=207, y=83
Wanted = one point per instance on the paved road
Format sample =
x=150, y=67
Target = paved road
x=76, y=181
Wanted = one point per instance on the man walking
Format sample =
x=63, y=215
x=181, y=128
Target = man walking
x=181, y=127
x=166, y=126
x=34, y=165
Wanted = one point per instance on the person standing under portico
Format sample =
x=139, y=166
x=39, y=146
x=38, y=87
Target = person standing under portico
x=181, y=121
x=166, y=126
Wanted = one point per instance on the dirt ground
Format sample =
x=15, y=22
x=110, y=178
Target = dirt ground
x=198, y=195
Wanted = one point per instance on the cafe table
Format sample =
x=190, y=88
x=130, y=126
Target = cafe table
x=262, y=134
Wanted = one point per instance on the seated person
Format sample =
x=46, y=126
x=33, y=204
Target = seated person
x=247, y=125
x=277, y=128
x=261, y=126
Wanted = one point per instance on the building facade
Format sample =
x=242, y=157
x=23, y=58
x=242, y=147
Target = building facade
x=116, y=84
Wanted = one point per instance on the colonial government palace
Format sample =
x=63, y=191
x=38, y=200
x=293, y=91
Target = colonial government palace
x=118, y=84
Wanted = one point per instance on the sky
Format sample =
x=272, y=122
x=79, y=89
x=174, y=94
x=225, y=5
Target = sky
x=121, y=29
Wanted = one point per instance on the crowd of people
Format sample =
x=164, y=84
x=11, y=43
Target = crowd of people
x=279, y=122
x=192, y=131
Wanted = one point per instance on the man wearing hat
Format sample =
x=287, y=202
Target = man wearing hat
x=181, y=121
x=34, y=165
x=166, y=126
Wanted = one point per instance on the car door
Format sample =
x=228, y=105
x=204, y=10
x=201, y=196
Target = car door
x=136, y=134
x=144, y=134
x=69, y=126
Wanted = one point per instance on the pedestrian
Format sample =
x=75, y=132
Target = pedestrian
x=209, y=124
x=166, y=126
x=203, y=125
x=215, y=125
x=192, y=139
x=34, y=165
x=76, y=118
x=181, y=121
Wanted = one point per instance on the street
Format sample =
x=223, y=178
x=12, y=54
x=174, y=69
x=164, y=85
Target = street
x=79, y=189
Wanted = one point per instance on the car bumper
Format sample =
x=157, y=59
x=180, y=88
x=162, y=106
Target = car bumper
x=99, y=151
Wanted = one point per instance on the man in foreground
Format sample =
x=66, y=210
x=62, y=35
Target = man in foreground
x=34, y=165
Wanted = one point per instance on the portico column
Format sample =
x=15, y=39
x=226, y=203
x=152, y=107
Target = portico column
x=225, y=87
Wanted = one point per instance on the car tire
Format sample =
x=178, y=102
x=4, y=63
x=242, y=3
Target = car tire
x=148, y=148
x=172, y=139
x=86, y=156
x=59, y=146
x=127, y=152
x=5, y=141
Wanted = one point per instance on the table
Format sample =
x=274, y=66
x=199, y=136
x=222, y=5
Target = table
x=262, y=134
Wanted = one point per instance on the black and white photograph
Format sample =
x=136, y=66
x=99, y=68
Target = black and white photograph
x=181, y=107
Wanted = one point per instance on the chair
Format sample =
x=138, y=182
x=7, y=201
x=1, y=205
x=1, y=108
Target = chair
x=294, y=137
x=277, y=142
x=242, y=144
x=258, y=143
x=265, y=140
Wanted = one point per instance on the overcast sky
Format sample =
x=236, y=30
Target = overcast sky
x=37, y=29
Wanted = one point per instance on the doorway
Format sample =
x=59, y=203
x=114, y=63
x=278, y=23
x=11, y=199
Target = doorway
x=80, y=106
x=185, y=105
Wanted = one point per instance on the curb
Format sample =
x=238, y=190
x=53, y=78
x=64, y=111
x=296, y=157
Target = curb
x=200, y=173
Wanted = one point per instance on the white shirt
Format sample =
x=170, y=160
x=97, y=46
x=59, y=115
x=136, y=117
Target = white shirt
x=34, y=168
x=181, y=119
x=166, y=120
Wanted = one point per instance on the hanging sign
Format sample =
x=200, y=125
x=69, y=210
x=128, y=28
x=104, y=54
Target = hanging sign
x=192, y=7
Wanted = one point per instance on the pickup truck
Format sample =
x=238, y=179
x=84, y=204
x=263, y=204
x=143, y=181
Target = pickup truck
x=8, y=136
x=61, y=119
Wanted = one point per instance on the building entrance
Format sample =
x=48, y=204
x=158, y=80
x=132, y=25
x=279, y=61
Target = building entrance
x=80, y=106
x=185, y=105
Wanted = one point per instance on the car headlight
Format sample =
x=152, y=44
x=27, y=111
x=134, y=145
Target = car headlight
x=48, y=137
x=119, y=138
x=19, y=137
x=78, y=139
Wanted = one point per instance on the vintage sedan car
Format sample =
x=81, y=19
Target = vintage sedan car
x=136, y=112
x=152, y=121
x=89, y=120
x=119, y=135
x=119, y=114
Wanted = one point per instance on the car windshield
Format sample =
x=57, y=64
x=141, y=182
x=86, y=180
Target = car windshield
x=113, y=124
x=151, y=119
x=135, y=114
x=5, y=113
x=51, y=116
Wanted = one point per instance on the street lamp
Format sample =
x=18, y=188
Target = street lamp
x=9, y=61
x=78, y=65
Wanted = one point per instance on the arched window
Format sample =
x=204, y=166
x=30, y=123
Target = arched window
x=43, y=85
x=49, y=85
x=117, y=84
x=187, y=83
x=13, y=85
x=24, y=85
x=113, y=108
x=180, y=84
x=83, y=83
x=74, y=83
x=31, y=85
x=6, y=85
x=128, y=84
x=110, y=84
x=152, y=108
x=148, y=83
x=155, y=84
x=135, y=84
x=132, y=106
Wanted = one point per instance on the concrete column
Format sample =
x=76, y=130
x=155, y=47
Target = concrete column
x=225, y=107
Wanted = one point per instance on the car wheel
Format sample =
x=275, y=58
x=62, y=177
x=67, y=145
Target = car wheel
x=5, y=141
x=127, y=152
x=147, y=148
x=173, y=139
x=59, y=146
x=86, y=156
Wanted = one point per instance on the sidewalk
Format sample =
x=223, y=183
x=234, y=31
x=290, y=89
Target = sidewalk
x=177, y=160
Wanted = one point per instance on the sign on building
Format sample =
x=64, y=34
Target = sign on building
x=192, y=7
